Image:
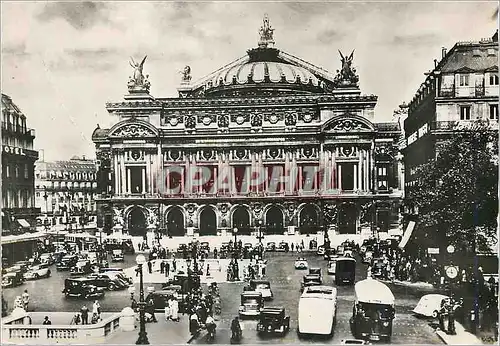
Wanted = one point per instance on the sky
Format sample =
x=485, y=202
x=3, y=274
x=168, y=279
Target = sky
x=62, y=61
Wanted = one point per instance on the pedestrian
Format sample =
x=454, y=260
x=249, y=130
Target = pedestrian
x=208, y=270
x=46, y=321
x=174, y=310
x=133, y=304
x=84, y=311
x=193, y=324
x=174, y=265
x=215, y=252
x=96, y=308
x=168, y=309
x=150, y=308
x=150, y=267
x=162, y=267
x=26, y=300
x=76, y=319
x=95, y=318
x=167, y=269
x=293, y=247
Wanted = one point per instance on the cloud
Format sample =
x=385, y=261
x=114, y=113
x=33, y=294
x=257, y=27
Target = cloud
x=414, y=40
x=329, y=36
x=80, y=15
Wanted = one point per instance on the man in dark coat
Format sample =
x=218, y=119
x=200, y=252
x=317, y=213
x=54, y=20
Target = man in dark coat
x=150, y=267
x=85, y=314
x=167, y=269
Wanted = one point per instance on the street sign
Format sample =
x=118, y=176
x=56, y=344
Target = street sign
x=433, y=251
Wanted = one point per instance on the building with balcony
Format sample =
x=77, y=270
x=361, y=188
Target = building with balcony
x=268, y=140
x=65, y=192
x=18, y=189
x=462, y=89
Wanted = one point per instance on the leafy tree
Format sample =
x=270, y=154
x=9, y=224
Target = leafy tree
x=457, y=192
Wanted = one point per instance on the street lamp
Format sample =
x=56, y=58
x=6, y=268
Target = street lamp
x=45, y=197
x=143, y=336
x=260, y=237
x=235, y=232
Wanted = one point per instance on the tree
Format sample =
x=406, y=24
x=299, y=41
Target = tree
x=456, y=193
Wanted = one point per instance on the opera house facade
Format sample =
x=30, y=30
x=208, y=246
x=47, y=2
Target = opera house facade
x=268, y=141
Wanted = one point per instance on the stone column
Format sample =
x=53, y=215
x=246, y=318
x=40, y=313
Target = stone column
x=187, y=158
x=293, y=172
x=340, y=177
x=129, y=181
x=143, y=173
x=355, y=176
x=123, y=175
x=116, y=174
x=361, y=170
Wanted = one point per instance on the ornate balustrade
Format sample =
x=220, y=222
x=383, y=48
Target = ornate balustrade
x=15, y=332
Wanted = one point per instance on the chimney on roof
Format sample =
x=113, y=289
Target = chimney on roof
x=435, y=63
x=83, y=157
x=443, y=52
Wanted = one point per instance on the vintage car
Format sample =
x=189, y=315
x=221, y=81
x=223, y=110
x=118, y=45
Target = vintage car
x=315, y=271
x=66, y=262
x=373, y=311
x=108, y=281
x=273, y=320
x=117, y=256
x=354, y=342
x=271, y=246
x=182, y=248
x=283, y=247
x=47, y=258
x=37, y=272
x=263, y=287
x=317, y=310
x=117, y=272
x=82, y=267
x=310, y=280
x=301, y=263
x=321, y=250
x=205, y=246
x=429, y=305
x=181, y=279
x=12, y=279
x=161, y=297
x=82, y=288
x=378, y=267
x=251, y=304
x=345, y=270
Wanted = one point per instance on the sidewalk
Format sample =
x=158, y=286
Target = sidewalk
x=161, y=333
x=217, y=270
x=462, y=337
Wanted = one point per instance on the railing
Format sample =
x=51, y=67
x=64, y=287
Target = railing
x=61, y=334
x=462, y=91
x=447, y=91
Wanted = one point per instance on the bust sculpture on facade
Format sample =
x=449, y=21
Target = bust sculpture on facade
x=139, y=82
x=347, y=76
x=186, y=75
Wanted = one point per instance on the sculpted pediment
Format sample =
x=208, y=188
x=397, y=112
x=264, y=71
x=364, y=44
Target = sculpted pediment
x=347, y=124
x=133, y=130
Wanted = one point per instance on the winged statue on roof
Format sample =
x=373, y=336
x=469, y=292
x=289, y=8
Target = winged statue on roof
x=138, y=81
x=347, y=75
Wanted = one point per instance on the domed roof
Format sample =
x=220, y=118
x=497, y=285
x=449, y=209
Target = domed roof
x=263, y=71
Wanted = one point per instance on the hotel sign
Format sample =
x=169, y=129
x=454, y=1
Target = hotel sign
x=14, y=150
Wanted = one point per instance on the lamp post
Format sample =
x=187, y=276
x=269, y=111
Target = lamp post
x=143, y=335
x=235, y=233
x=46, y=197
x=260, y=237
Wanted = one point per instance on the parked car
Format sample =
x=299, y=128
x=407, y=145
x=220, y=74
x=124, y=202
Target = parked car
x=181, y=248
x=47, y=258
x=205, y=246
x=117, y=256
x=12, y=279
x=273, y=320
x=429, y=305
x=37, y=272
x=108, y=282
x=117, y=272
x=82, y=288
x=66, y=262
x=283, y=247
x=315, y=271
x=271, y=246
x=301, y=263
x=310, y=280
x=160, y=298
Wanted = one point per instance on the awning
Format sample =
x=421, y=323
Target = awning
x=23, y=223
x=407, y=235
